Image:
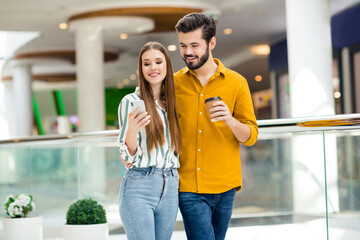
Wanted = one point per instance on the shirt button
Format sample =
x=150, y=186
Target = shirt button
x=198, y=169
x=199, y=149
x=201, y=94
x=199, y=131
x=200, y=112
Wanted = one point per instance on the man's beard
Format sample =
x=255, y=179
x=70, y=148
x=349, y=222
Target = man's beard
x=202, y=60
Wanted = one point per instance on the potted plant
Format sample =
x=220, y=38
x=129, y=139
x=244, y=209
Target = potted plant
x=86, y=219
x=18, y=225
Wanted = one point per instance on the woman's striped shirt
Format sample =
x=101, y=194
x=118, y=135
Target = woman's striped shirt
x=160, y=156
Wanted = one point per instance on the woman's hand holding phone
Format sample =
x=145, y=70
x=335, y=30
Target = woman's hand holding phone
x=136, y=122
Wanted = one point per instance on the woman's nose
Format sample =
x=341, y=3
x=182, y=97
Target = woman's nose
x=153, y=66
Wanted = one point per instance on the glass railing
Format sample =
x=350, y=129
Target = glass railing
x=301, y=180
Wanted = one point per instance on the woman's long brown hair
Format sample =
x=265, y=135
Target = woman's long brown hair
x=155, y=129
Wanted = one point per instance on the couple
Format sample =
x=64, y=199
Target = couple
x=208, y=145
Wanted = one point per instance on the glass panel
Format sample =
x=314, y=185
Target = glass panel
x=15, y=172
x=54, y=175
x=285, y=192
x=344, y=212
x=283, y=188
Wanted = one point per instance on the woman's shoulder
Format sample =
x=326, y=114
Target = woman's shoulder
x=131, y=97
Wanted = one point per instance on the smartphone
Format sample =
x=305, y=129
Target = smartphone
x=138, y=104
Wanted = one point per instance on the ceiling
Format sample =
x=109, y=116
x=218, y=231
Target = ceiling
x=253, y=22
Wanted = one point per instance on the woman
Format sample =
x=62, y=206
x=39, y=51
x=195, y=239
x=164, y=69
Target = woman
x=150, y=142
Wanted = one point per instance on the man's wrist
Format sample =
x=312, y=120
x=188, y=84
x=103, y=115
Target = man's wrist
x=231, y=122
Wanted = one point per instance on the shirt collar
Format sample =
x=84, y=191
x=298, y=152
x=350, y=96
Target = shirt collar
x=220, y=70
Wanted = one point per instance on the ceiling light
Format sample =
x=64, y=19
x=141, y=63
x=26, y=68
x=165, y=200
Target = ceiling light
x=172, y=48
x=126, y=81
x=63, y=25
x=132, y=76
x=337, y=94
x=258, y=78
x=120, y=85
x=227, y=31
x=261, y=49
x=123, y=36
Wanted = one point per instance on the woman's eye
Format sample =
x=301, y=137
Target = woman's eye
x=158, y=62
x=146, y=64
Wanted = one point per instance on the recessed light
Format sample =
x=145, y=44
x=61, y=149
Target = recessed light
x=63, y=26
x=126, y=81
x=258, y=78
x=227, y=31
x=337, y=94
x=132, y=76
x=123, y=36
x=120, y=85
x=172, y=48
x=261, y=49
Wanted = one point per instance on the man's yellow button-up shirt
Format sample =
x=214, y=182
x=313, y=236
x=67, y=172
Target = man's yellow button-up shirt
x=210, y=160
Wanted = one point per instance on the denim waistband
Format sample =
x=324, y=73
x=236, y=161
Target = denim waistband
x=160, y=171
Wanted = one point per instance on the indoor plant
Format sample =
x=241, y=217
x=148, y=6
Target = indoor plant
x=86, y=219
x=17, y=208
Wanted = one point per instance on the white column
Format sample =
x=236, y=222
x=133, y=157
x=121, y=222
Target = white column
x=346, y=76
x=8, y=127
x=311, y=94
x=274, y=104
x=310, y=57
x=90, y=77
x=23, y=99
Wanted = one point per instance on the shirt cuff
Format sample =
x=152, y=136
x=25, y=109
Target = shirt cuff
x=126, y=156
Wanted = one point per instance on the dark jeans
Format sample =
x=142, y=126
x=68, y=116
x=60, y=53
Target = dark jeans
x=206, y=216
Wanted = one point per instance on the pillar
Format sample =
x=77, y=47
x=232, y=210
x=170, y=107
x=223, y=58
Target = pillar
x=89, y=77
x=311, y=94
x=23, y=98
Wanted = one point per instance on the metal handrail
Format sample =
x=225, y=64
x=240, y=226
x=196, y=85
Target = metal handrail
x=341, y=121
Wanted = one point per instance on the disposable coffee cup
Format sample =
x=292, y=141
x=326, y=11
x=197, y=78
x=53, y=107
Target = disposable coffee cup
x=210, y=101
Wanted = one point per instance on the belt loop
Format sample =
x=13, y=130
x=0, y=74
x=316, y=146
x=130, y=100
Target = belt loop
x=151, y=171
x=172, y=172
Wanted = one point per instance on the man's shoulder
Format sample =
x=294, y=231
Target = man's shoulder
x=233, y=75
x=181, y=72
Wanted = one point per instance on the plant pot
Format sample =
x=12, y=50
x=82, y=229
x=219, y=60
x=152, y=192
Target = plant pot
x=88, y=232
x=28, y=228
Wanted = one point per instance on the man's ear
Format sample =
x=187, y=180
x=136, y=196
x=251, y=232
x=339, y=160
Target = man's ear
x=212, y=43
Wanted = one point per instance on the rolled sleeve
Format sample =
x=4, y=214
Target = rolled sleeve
x=124, y=152
x=253, y=135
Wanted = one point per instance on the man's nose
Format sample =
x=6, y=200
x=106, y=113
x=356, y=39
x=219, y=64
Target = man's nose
x=188, y=51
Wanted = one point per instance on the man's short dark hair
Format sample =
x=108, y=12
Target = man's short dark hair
x=193, y=21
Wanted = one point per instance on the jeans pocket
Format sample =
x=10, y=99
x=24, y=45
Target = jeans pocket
x=135, y=174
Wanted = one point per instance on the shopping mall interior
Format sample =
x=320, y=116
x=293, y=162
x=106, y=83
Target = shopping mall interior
x=65, y=66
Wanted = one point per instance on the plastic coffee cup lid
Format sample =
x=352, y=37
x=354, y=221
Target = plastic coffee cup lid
x=212, y=99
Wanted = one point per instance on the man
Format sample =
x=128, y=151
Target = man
x=210, y=168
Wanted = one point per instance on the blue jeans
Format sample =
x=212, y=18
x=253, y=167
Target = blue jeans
x=206, y=216
x=148, y=203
